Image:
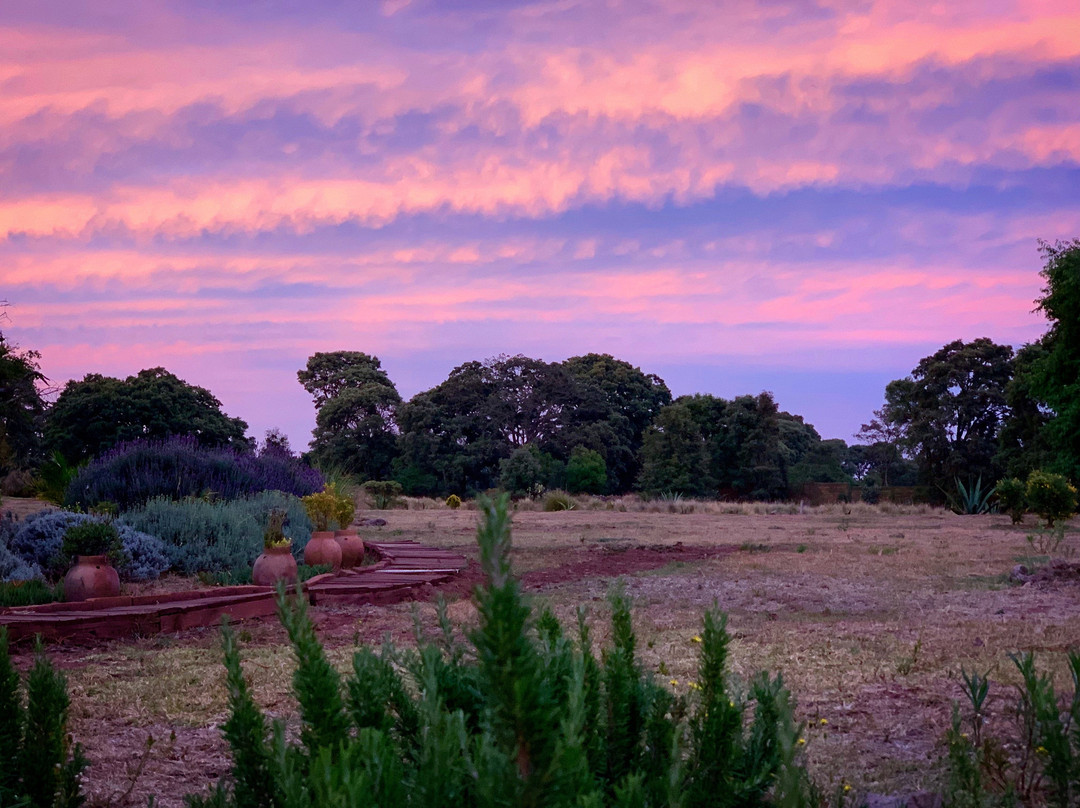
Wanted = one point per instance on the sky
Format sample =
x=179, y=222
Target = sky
x=744, y=195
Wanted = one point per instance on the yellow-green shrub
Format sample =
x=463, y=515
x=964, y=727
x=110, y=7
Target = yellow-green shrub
x=1051, y=496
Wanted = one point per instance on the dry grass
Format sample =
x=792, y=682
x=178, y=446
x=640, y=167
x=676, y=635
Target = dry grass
x=869, y=612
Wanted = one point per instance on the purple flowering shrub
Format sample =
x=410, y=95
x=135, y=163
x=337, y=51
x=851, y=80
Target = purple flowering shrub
x=133, y=473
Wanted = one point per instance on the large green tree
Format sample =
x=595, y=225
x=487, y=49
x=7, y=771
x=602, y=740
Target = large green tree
x=703, y=445
x=746, y=453
x=674, y=458
x=21, y=407
x=355, y=409
x=949, y=411
x=455, y=436
x=618, y=402
x=881, y=457
x=95, y=413
x=807, y=457
x=1024, y=440
x=1055, y=374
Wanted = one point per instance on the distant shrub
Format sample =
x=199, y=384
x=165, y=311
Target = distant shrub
x=18, y=483
x=453, y=502
x=521, y=473
x=559, y=501
x=201, y=536
x=39, y=543
x=383, y=493
x=871, y=494
x=586, y=472
x=1012, y=498
x=54, y=477
x=136, y=472
x=1050, y=496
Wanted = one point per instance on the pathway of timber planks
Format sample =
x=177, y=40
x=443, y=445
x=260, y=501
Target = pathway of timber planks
x=404, y=569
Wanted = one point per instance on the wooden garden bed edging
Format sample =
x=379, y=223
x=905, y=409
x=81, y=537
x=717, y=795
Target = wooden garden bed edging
x=404, y=569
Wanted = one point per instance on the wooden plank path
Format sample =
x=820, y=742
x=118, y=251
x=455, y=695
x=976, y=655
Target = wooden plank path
x=404, y=569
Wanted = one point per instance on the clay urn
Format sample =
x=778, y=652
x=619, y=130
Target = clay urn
x=275, y=563
x=91, y=577
x=323, y=549
x=352, y=548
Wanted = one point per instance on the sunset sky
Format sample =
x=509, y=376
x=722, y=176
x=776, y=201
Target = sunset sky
x=802, y=197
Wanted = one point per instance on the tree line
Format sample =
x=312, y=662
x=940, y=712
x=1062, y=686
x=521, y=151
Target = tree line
x=598, y=424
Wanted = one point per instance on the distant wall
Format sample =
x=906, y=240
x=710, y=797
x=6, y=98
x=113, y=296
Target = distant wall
x=829, y=493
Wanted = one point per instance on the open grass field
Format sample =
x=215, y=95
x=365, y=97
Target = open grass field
x=870, y=613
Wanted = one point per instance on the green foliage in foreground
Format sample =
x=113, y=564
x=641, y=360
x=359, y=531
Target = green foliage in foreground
x=524, y=715
x=38, y=766
x=1038, y=764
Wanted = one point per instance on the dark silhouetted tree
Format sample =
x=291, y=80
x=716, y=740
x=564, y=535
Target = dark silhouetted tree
x=673, y=454
x=22, y=408
x=97, y=412
x=355, y=407
x=1055, y=374
x=950, y=409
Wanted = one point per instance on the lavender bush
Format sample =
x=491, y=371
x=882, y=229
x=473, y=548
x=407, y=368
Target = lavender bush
x=37, y=544
x=221, y=536
x=135, y=472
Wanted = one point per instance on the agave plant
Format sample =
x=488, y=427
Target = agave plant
x=971, y=499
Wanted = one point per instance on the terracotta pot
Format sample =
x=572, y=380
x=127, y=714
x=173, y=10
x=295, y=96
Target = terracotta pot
x=275, y=564
x=352, y=548
x=322, y=549
x=91, y=577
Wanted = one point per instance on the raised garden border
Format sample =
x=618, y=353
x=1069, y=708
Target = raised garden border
x=403, y=568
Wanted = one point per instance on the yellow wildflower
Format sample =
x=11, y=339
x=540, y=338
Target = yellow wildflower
x=824, y=721
x=696, y=638
x=801, y=741
x=674, y=682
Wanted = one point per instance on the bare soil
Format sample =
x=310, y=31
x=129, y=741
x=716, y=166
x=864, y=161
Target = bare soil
x=870, y=614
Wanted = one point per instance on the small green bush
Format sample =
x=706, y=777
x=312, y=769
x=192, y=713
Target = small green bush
x=28, y=593
x=92, y=538
x=453, y=502
x=1012, y=498
x=384, y=494
x=1050, y=496
x=329, y=509
x=39, y=767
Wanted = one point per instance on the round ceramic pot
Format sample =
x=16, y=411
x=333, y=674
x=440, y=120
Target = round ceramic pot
x=352, y=548
x=323, y=549
x=91, y=577
x=275, y=564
